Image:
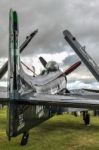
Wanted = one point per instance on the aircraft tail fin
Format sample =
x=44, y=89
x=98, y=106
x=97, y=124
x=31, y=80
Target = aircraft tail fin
x=19, y=116
x=13, y=63
x=13, y=67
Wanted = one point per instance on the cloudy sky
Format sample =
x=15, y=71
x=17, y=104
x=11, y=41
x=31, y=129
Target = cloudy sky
x=52, y=17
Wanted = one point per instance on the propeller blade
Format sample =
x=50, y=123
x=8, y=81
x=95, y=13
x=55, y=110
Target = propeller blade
x=43, y=61
x=92, y=90
x=28, y=68
x=72, y=68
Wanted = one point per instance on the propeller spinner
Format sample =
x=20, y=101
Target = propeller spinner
x=67, y=71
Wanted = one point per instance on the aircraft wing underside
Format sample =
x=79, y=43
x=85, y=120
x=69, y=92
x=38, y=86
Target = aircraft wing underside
x=71, y=100
x=77, y=101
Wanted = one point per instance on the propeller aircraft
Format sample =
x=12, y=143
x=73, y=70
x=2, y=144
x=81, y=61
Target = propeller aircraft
x=31, y=100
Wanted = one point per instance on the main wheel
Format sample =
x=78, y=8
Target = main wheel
x=86, y=118
x=24, y=138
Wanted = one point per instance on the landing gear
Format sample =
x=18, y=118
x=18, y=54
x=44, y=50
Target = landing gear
x=24, y=138
x=86, y=118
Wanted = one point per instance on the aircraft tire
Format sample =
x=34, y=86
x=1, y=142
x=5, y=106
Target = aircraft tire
x=24, y=139
x=86, y=118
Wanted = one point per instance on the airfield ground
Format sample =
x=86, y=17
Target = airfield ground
x=64, y=132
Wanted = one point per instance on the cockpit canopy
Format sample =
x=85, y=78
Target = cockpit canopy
x=52, y=66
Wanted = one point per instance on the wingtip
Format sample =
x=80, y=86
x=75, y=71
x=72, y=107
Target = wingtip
x=34, y=32
x=66, y=32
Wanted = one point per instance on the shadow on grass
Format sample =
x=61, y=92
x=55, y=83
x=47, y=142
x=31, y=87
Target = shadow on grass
x=51, y=125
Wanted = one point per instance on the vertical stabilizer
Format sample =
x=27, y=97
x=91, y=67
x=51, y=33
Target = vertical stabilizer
x=19, y=117
x=13, y=68
x=13, y=63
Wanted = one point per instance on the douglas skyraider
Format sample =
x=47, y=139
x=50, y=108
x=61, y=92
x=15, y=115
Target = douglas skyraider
x=32, y=100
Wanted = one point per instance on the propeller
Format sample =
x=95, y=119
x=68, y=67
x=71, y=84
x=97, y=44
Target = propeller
x=67, y=71
x=43, y=61
x=72, y=68
x=28, y=68
x=92, y=90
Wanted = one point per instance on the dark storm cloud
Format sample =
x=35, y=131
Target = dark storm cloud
x=52, y=17
x=80, y=17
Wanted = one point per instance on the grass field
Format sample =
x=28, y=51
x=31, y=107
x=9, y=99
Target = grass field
x=64, y=132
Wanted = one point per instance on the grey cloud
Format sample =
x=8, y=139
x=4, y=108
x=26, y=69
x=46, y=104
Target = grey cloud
x=80, y=85
x=51, y=17
x=71, y=59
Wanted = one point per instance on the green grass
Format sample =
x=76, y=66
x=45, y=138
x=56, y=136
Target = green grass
x=64, y=132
